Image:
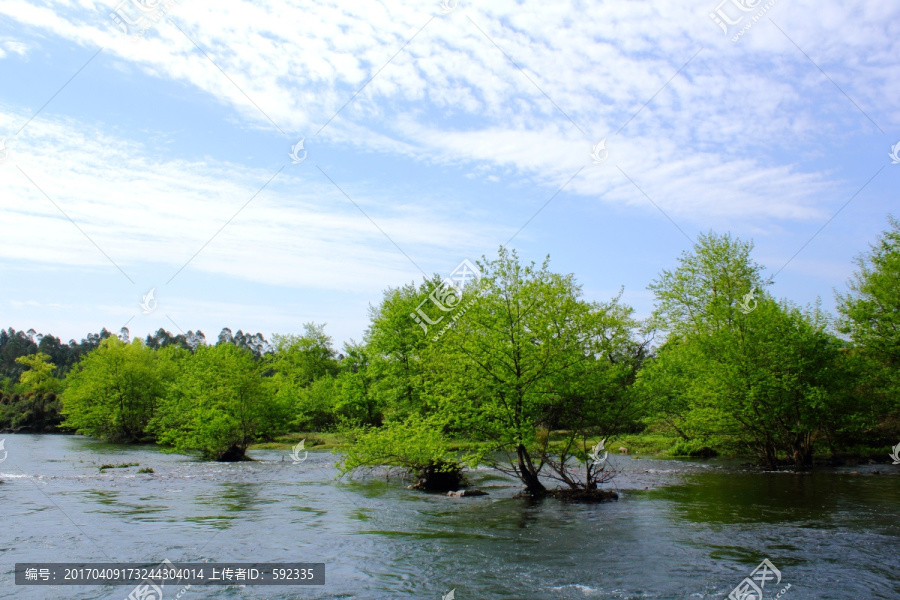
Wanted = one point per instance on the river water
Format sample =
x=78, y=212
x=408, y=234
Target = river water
x=680, y=530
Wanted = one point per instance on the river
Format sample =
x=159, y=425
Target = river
x=680, y=530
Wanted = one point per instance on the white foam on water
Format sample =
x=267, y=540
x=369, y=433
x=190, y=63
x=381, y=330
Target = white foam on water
x=586, y=590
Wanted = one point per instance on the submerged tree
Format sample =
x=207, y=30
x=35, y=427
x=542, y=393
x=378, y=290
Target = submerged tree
x=217, y=405
x=521, y=361
x=414, y=446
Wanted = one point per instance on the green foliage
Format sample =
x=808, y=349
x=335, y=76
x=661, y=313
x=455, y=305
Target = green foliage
x=415, y=446
x=870, y=312
x=302, y=382
x=395, y=345
x=356, y=404
x=32, y=404
x=217, y=404
x=531, y=354
x=38, y=380
x=768, y=380
x=116, y=390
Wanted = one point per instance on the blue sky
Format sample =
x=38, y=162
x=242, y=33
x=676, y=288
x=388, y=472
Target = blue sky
x=170, y=153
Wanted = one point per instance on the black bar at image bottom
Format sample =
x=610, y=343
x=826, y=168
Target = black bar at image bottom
x=167, y=573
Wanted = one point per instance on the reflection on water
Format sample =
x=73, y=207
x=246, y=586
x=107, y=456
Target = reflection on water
x=698, y=529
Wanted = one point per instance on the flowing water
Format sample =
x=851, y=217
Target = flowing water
x=680, y=530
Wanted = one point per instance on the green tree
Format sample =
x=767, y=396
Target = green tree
x=769, y=380
x=41, y=389
x=217, y=405
x=396, y=345
x=356, y=402
x=870, y=312
x=38, y=379
x=115, y=391
x=519, y=361
x=596, y=399
x=303, y=368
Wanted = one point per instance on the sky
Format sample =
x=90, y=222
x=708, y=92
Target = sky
x=153, y=146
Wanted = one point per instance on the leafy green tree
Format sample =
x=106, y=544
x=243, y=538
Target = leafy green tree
x=596, y=399
x=870, y=312
x=356, y=403
x=38, y=379
x=519, y=361
x=396, y=345
x=41, y=389
x=302, y=381
x=14, y=344
x=768, y=380
x=115, y=391
x=217, y=405
x=704, y=293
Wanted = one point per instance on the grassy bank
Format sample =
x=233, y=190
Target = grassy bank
x=316, y=441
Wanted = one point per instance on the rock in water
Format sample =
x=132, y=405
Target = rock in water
x=461, y=493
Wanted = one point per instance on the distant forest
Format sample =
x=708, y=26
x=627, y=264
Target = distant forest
x=15, y=344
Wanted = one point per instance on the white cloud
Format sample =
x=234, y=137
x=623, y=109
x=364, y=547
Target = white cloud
x=139, y=208
x=717, y=142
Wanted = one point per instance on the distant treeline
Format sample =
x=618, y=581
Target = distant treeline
x=528, y=376
x=14, y=344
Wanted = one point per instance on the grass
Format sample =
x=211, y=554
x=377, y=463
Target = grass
x=319, y=441
x=146, y=470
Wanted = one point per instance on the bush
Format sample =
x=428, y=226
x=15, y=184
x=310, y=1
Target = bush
x=415, y=446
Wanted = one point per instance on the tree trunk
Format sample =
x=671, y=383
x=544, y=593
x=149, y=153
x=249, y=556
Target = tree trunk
x=802, y=450
x=770, y=457
x=234, y=453
x=528, y=474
